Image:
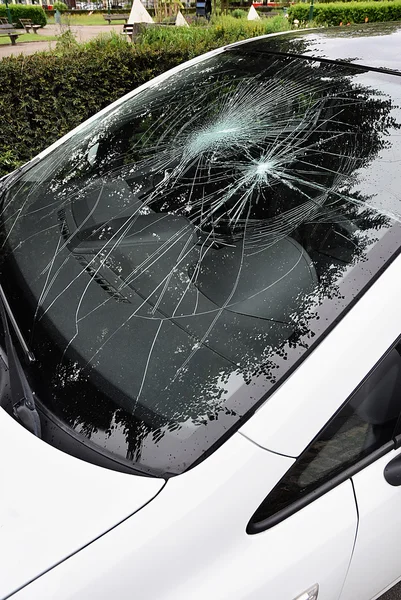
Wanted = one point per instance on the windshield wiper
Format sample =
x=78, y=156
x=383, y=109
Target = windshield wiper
x=22, y=396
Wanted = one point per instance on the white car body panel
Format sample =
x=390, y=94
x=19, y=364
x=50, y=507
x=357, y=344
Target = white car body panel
x=376, y=560
x=205, y=511
x=52, y=504
x=341, y=362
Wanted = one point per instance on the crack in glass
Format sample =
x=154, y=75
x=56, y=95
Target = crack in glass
x=185, y=241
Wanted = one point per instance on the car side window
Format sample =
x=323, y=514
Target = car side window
x=364, y=424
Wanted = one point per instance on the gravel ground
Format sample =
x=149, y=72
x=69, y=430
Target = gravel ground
x=393, y=594
x=83, y=33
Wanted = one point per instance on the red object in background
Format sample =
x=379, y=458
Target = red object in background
x=272, y=4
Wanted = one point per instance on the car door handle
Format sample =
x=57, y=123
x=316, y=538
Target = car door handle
x=309, y=594
x=392, y=471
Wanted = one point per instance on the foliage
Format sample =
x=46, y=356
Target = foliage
x=326, y=1
x=239, y=13
x=352, y=11
x=24, y=11
x=224, y=30
x=48, y=93
x=8, y=160
x=66, y=41
x=60, y=6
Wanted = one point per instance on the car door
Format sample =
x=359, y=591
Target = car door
x=354, y=447
x=305, y=556
x=376, y=561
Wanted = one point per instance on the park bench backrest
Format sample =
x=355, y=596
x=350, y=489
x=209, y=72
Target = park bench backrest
x=27, y=25
x=116, y=17
x=7, y=29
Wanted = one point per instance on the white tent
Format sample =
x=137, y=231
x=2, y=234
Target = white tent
x=253, y=15
x=180, y=20
x=139, y=14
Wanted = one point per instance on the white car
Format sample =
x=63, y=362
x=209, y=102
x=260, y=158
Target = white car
x=201, y=324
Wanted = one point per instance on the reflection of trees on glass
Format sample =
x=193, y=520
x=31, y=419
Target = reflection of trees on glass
x=200, y=228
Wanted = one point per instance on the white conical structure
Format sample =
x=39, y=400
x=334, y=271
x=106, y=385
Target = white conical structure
x=180, y=20
x=253, y=15
x=139, y=14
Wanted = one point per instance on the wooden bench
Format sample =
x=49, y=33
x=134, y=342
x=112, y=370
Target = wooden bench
x=110, y=18
x=27, y=25
x=7, y=29
x=4, y=21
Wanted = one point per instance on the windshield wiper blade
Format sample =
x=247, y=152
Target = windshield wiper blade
x=3, y=300
x=22, y=396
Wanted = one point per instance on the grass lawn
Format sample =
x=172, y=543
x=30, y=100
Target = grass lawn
x=28, y=37
x=85, y=20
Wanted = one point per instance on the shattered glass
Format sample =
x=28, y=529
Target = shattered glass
x=177, y=256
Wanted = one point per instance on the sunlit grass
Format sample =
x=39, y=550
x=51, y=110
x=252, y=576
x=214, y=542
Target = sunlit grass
x=95, y=19
x=28, y=37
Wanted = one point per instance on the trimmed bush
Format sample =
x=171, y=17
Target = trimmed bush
x=327, y=1
x=353, y=11
x=60, y=6
x=238, y=13
x=24, y=11
x=48, y=93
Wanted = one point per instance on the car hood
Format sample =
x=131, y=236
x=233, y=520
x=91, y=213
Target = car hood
x=52, y=504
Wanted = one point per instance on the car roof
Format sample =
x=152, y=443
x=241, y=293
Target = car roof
x=351, y=44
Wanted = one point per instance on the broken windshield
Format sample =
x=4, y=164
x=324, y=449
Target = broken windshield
x=188, y=242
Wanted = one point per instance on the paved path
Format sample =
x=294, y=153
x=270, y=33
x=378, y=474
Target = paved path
x=83, y=33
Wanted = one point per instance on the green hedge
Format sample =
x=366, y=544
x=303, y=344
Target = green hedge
x=353, y=11
x=23, y=11
x=59, y=90
x=327, y=1
x=60, y=6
